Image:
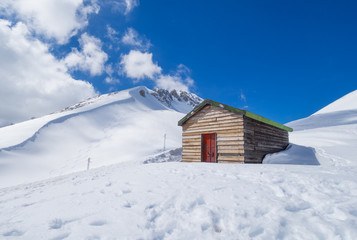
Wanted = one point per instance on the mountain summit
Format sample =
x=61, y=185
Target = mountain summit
x=123, y=126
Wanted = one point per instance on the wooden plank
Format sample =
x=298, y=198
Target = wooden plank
x=230, y=147
x=192, y=150
x=191, y=147
x=189, y=158
x=231, y=122
x=229, y=161
x=239, y=151
x=232, y=131
x=225, y=143
x=230, y=138
x=190, y=161
x=212, y=123
x=195, y=143
x=193, y=140
x=191, y=154
x=235, y=134
x=232, y=128
x=235, y=116
x=213, y=126
x=199, y=117
x=192, y=137
x=190, y=141
x=233, y=158
x=212, y=119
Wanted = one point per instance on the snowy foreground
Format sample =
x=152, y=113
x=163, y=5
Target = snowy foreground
x=308, y=191
x=185, y=201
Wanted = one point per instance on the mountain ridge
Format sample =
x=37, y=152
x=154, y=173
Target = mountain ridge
x=128, y=125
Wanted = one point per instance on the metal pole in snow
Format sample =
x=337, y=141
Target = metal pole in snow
x=164, y=142
x=88, y=164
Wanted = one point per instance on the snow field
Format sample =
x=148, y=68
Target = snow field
x=131, y=128
x=185, y=201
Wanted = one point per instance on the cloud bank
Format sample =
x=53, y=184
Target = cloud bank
x=32, y=81
x=52, y=19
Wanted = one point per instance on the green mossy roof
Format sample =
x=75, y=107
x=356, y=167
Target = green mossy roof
x=234, y=110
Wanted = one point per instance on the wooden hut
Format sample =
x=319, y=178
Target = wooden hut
x=215, y=132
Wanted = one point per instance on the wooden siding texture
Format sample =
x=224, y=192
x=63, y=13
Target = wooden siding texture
x=211, y=119
x=261, y=139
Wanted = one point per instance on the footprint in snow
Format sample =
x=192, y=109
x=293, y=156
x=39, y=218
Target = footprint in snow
x=98, y=223
x=129, y=204
x=256, y=231
x=151, y=206
x=56, y=223
x=61, y=236
x=13, y=233
x=298, y=206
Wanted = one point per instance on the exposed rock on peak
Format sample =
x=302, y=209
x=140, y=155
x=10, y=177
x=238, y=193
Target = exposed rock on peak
x=170, y=97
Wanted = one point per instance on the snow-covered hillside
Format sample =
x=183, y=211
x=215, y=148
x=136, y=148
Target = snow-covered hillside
x=347, y=102
x=117, y=127
x=331, y=132
x=132, y=200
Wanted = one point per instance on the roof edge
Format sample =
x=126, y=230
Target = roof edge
x=234, y=110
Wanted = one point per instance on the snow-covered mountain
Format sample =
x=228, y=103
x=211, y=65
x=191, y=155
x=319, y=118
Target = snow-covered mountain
x=311, y=194
x=108, y=129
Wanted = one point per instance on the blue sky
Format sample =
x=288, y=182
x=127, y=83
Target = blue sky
x=281, y=59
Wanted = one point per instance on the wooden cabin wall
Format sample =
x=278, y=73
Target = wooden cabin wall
x=211, y=119
x=261, y=139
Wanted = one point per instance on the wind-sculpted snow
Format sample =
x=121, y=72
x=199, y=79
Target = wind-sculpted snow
x=293, y=154
x=325, y=120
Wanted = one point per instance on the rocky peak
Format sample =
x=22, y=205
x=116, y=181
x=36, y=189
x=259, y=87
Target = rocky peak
x=168, y=97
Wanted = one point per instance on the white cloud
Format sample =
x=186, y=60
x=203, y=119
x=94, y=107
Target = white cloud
x=130, y=4
x=170, y=83
x=139, y=65
x=54, y=19
x=180, y=80
x=91, y=58
x=32, y=81
x=112, y=34
x=242, y=96
x=110, y=79
x=132, y=38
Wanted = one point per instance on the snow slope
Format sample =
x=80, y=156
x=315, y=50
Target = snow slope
x=330, y=132
x=118, y=127
x=347, y=102
x=311, y=194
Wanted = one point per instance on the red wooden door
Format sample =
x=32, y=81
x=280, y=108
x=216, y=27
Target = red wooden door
x=209, y=147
